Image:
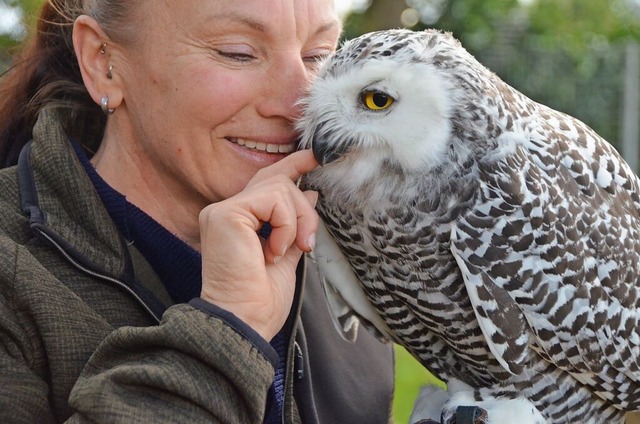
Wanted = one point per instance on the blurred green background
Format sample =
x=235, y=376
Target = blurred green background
x=410, y=377
x=578, y=56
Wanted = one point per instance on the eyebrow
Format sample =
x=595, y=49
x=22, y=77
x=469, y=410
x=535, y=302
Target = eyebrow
x=329, y=26
x=258, y=26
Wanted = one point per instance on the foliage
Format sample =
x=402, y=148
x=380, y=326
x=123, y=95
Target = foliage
x=29, y=9
x=576, y=24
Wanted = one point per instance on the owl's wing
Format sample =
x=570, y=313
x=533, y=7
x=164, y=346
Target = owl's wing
x=347, y=302
x=501, y=320
x=549, y=257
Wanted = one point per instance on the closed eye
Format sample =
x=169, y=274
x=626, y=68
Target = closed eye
x=238, y=57
x=316, y=58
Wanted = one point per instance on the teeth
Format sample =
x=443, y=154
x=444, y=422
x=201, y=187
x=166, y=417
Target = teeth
x=265, y=147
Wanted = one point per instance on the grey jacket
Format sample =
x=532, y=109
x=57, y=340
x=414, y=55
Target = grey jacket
x=88, y=333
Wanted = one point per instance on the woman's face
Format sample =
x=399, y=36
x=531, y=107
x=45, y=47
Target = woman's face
x=210, y=87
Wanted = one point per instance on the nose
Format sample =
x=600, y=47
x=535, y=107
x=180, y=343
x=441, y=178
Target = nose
x=288, y=80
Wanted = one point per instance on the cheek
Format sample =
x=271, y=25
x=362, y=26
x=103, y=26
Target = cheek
x=221, y=92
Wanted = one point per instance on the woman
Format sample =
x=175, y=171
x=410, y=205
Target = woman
x=138, y=281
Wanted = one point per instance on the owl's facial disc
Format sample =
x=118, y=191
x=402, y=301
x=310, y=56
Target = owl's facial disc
x=330, y=144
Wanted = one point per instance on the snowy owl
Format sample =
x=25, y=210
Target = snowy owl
x=496, y=239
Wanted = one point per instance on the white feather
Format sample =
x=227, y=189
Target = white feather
x=337, y=272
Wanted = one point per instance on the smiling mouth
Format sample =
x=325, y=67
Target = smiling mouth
x=263, y=147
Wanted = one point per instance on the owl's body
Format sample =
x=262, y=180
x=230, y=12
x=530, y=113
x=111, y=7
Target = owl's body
x=496, y=239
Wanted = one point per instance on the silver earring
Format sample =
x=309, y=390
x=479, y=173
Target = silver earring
x=110, y=72
x=104, y=104
x=103, y=50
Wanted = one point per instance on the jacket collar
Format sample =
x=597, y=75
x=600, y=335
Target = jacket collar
x=65, y=210
x=57, y=195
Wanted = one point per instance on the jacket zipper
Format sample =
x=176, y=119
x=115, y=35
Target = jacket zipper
x=95, y=274
x=294, y=354
x=29, y=203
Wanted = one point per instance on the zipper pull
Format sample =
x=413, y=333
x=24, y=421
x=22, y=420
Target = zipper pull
x=298, y=363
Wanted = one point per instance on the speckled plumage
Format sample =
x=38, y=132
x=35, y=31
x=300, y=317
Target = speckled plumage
x=498, y=240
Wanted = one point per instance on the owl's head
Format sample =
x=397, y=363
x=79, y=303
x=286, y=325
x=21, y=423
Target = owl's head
x=387, y=97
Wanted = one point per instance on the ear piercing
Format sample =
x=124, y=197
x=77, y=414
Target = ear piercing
x=104, y=104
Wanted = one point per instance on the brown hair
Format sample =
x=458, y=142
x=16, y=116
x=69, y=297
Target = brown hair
x=45, y=73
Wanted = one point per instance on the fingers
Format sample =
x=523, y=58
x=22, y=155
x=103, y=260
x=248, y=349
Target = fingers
x=272, y=196
x=293, y=167
x=294, y=221
x=308, y=223
x=251, y=277
x=292, y=214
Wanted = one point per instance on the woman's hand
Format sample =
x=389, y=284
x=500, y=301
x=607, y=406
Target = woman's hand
x=244, y=274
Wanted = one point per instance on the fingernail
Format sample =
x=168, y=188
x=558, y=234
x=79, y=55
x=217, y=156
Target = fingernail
x=311, y=241
x=276, y=259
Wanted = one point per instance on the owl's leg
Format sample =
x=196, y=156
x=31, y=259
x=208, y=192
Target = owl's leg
x=430, y=402
x=489, y=410
x=428, y=405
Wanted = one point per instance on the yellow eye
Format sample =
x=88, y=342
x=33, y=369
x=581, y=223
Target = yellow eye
x=376, y=100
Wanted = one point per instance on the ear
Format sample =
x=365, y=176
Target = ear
x=94, y=59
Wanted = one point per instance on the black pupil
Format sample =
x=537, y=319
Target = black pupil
x=380, y=99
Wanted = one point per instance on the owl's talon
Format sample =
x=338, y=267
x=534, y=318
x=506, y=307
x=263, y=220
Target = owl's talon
x=469, y=415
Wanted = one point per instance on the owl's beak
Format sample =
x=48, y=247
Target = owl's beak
x=326, y=147
x=323, y=152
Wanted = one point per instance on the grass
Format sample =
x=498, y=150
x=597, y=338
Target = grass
x=410, y=377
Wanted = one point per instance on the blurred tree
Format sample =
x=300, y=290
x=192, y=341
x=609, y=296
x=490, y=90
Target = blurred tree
x=26, y=11
x=379, y=14
x=574, y=25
